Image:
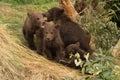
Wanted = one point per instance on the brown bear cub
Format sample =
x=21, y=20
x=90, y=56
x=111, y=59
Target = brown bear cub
x=33, y=21
x=70, y=31
x=53, y=45
x=74, y=48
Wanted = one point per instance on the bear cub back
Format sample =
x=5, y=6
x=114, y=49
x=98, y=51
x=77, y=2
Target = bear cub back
x=70, y=31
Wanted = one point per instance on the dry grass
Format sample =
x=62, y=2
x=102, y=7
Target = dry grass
x=17, y=62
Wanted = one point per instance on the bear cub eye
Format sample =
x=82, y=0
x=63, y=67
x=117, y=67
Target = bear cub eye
x=51, y=32
x=46, y=32
x=38, y=18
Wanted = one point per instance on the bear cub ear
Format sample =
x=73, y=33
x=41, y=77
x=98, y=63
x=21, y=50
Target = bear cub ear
x=45, y=14
x=61, y=10
x=29, y=14
x=57, y=25
x=77, y=43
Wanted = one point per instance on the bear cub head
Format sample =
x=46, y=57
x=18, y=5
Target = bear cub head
x=36, y=18
x=53, y=14
x=50, y=31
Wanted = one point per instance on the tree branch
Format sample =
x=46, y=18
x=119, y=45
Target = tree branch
x=69, y=9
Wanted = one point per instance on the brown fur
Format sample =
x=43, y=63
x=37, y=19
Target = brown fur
x=39, y=40
x=74, y=48
x=53, y=42
x=32, y=23
x=70, y=31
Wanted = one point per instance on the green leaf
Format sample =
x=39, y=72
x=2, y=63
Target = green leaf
x=98, y=72
x=97, y=64
x=83, y=70
x=106, y=73
x=89, y=70
x=98, y=79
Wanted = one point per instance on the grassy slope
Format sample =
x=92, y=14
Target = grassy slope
x=17, y=62
x=14, y=15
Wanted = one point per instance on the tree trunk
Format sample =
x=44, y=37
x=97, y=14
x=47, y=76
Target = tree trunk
x=116, y=49
x=69, y=9
x=116, y=52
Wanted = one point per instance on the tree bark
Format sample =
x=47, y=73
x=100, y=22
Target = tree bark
x=116, y=52
x=116, y=49
x=69, y=9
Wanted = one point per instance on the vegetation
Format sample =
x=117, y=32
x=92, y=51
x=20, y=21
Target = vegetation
x=96, y=22
x=113, y=8
x=106, y=34
x=36, y=2
x=101, y=68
